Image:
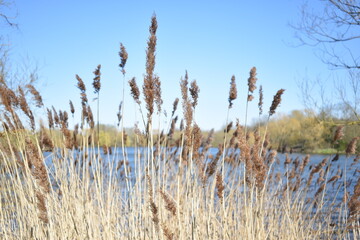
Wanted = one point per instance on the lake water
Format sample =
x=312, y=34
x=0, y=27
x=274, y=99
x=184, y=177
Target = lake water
x=334, y=190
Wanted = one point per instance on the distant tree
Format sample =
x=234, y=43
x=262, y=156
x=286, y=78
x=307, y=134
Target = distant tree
x=298, y=129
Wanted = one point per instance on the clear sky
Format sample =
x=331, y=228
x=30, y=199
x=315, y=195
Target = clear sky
x=212, y=40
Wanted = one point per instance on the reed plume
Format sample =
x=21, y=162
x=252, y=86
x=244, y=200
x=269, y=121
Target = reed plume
x=187, y=107
x=170, y=203
x=197, y=140
x=39, y=172
x=172, y=127
x=45, y=140
x=228, y=127
x=50, y=118
x=153, y=207
x=339, y=133
x=252, y=83
x=96, y=82
x=175, y=104
x=135, y=92
x=82, y=88
x=8, y=121
x=233, y=91
x=351, y=148
x=194, y=92
x=36, y=95
x=64, y=129
x=64, y=117
x=167, y=232
x=261, y=98
x=213, y=163
x=251, y=87
x=334, y=178
x=90, y=117
x=276, y=101
x=123, y=58
x=157, y=93
x=8, y=98
x=97, y=86
x=72, y=109
x=220, y=187
x=22, y=101
x=151, y=84
x=354, y=203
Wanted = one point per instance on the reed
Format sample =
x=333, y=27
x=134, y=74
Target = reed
x=170, y=185
x=97, y=87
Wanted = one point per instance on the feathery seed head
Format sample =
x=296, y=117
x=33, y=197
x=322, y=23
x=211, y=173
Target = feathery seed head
x=261, y=98
x=135, y=92
x=175, y=104
x=351, y=148
x=233, y=91
x=96, y=82
x=36, y=95
x=194, y=92
x=339, y=133
x=276, y=101
x=123, y=58
x=72, y=109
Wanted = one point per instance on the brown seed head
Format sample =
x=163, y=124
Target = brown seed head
x=90, y=118
x=228, y=127
x=276, y=101
x=175, y=104
x=172, y=128
x=135, y=92
x=157, y=93
x=96, y=82
x=50, y=118
x=36, y=95
x=8, y=98
x=72, y=109
x=351, y=148
x=170, y=203
x=194, y=92
x=151, y=86
x=339, y=133
x=22, y=101
x=251, y=83
x=261, y=98
x=56, y=117
x=45, y=140
x=82, y=88
x=123, y=58
x=220, y=186
x=233, y=91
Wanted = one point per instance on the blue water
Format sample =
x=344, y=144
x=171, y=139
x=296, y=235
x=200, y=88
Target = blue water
x=333, y=190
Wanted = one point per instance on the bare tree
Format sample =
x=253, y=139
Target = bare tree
x=3, y=16
x=350, y=96
x=334, y=29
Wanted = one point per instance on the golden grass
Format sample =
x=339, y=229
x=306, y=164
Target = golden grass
x=163, y=191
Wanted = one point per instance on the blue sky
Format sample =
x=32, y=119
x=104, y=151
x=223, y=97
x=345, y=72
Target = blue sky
x=212, y=40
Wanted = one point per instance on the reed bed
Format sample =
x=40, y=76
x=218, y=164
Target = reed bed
x=167, y=188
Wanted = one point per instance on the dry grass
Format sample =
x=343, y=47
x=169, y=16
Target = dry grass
x=164, y=189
